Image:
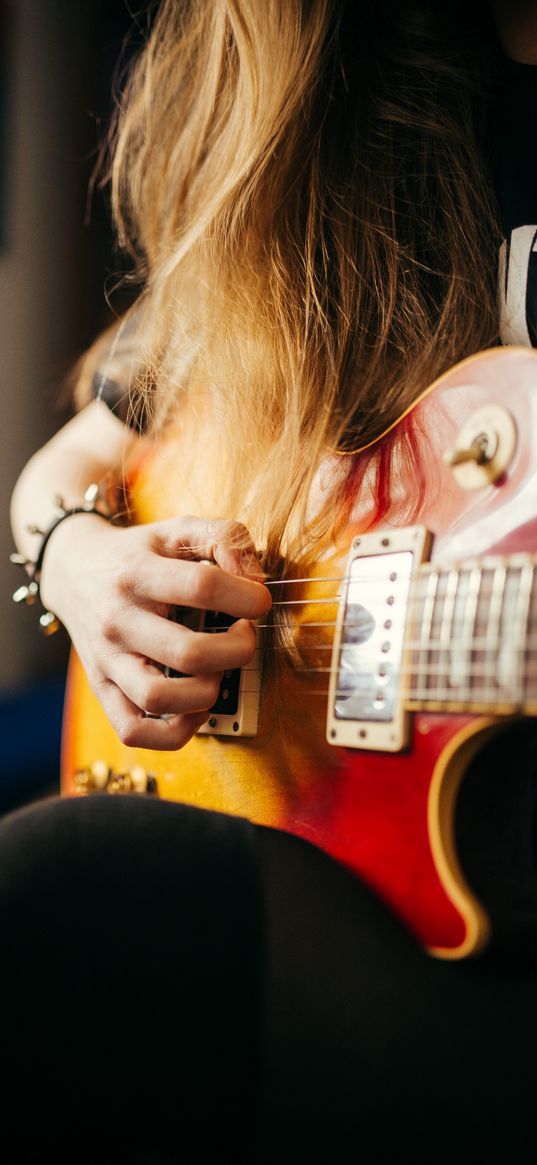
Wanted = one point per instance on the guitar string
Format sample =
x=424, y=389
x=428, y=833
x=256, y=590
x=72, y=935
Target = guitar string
x=515, y=676
x=417, y=590
x=444, y=695
x=412, y=601
x=452, y=690
x=423, y=574
x=486, y=563
x=461, y=645
x=463, y=693
x=364, y=597
x=417, y=645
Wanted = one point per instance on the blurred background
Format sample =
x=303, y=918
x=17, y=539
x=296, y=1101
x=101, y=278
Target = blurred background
x=58, y=60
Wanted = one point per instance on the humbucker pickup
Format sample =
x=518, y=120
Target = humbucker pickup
x=366, y=702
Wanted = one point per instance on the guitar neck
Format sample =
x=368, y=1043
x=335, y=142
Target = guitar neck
x=472, y=637
x=416, y=636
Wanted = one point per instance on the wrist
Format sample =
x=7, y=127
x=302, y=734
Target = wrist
x=44, y=591
x=67, y=551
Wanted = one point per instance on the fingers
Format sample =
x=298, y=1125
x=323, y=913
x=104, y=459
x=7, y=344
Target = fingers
x=135, y=730
x=125, y=639
x=199, y=585
x=192, y=652
x=134, y=686
x=150, y=691
x=227, y=543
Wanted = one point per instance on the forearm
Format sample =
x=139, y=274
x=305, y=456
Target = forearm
x=90, y=445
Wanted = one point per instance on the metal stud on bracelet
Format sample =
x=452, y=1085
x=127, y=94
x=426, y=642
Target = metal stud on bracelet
x=29, y=592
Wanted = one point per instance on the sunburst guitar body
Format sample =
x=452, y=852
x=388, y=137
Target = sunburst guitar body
x=415, y=643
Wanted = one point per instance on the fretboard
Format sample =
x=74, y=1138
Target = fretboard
x=472, y=636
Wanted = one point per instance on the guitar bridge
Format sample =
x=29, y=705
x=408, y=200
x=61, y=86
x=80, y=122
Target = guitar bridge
x=366, y=706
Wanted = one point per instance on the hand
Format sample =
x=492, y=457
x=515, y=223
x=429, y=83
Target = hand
x=112, y=588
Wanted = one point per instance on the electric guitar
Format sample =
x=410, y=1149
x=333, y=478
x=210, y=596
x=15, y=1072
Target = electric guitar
x=413, y=645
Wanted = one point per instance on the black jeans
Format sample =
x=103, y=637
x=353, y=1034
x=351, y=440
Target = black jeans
x=180, y=986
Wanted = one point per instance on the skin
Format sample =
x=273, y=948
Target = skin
x=112, y=588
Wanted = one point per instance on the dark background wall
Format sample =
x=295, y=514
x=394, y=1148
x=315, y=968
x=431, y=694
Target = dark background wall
x=57, y=61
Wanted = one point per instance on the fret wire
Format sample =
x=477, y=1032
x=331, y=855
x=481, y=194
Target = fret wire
x=521, y=620
x=503, y=659
x=448, y=614
x=531, y=688
x=427, y=616
x=494, y=620
x=504, y=656
x=468, y=626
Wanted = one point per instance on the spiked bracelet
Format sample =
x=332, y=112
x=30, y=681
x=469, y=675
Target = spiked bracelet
x=29, y=592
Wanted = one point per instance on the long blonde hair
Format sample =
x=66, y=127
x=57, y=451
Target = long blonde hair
x=302, y=185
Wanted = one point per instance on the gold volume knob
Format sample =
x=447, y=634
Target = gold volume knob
x=484, y=447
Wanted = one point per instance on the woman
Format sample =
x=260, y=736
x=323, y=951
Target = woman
x=308, y=190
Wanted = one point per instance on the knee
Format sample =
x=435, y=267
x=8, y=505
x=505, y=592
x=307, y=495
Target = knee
x=36, y=843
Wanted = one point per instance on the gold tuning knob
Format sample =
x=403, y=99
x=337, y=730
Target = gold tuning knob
x=100, y=774
x=98, y=777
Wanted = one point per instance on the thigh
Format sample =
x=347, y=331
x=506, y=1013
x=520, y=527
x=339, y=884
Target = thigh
x=142, y=943
x=372, y=1047
x=131, y=982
